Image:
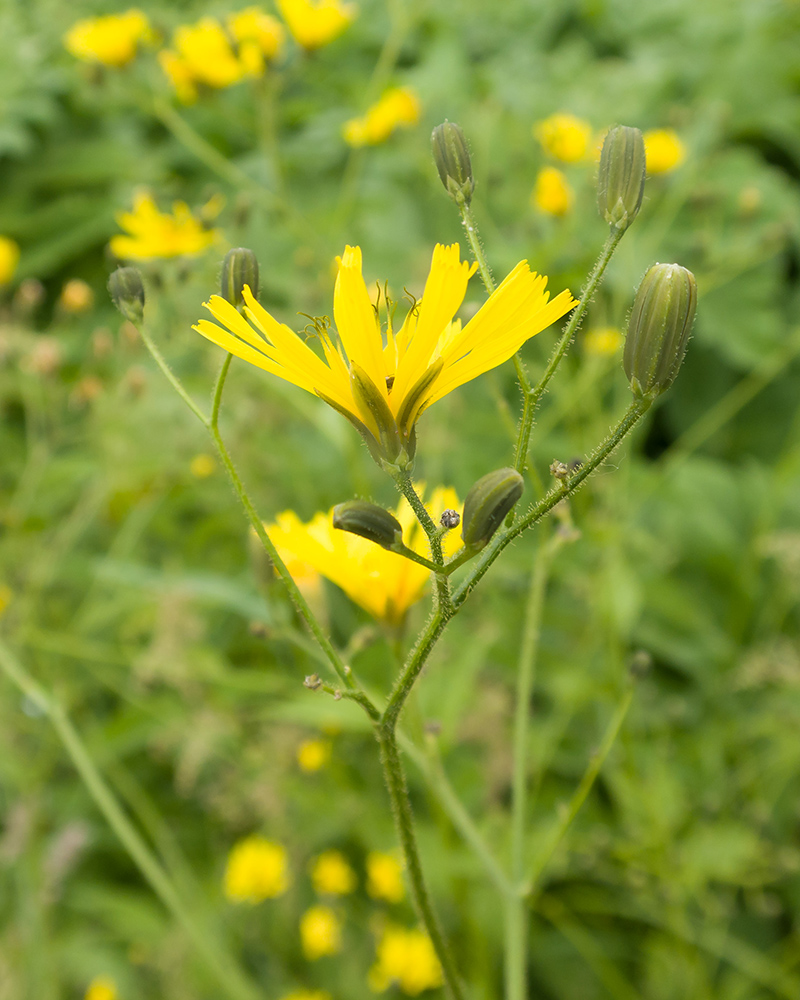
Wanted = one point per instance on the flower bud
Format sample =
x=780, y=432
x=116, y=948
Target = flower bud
x=360, y=517
x=620, y=181
x=375, y=411
x=659, y=327
x=452, y=160
x=127, y=292
x=239, y=268
x=487, y=504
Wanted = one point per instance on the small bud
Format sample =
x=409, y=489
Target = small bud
x=450, y=519
x=487, y=504
x=452, y=160
x=127, y=292
x=239, y=268
x=559, y=470
x=360, y=517
x=313, y=682
x=620, y=181
x=658, y=328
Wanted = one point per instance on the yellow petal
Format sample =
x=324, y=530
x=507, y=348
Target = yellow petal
x=355, y=319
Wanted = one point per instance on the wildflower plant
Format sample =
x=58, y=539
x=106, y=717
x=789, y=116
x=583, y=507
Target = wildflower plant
x=382, y=376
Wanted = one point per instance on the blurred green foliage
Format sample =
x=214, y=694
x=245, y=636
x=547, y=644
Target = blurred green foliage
x=134, y=599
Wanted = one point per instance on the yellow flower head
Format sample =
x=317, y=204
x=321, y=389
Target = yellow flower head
x=207, y=53
x=257, y=869
x=564, y=136
x=202, y=466
x=314, y=23
x=179, y=73
x=101, y=988
x=383, y=384
x=156, y=234
x=312, y=755
x=112, y=40
x=407, y=958
x=320, y=932
x=253, y=25
x=76, y=296
x=331, y=875
x=602, y=341
x=9, y=258
x=552, y=193
x=383, y=583
x=384, y=877
x=664, y=151
x=399, y=106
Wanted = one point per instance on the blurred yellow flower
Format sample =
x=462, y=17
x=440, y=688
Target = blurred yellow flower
x=253, y=25
x=202, y=466
x=320, y=932
x=302, y=994
x=101, y=988
x=156, y=234
x=383, y=583
x=206, y=50
x=398, y=106
x=257, y=869
x=603, y=340
x=180, y=75
x=9, y=258
x=564, y=136
x=428, y=357
x=664, y=151
x=552, y=193
x=112, y=40
x=314, y=23
x=406, y=958
x=384, y=877
x=312, y=755
x=6, y=594
x=331, y=875
x=76, y=296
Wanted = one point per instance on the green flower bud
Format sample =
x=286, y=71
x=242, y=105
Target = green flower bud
x=127, y=293
x=360, y=517
x=375, y=408
x=659, y=328
x=452, y=160
x=239, y=268
x=487, y=504
x=620, y=181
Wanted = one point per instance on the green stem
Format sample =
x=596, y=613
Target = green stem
x=434, y=534
x=533, y=395
x=231, y=979
x=404, y=683
x=159, y=359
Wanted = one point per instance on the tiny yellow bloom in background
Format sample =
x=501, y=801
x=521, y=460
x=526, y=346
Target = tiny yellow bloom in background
x=157, y=234
x=603, y=340
x=101, y=988
x=564, y=136
x=9, y=258
x=253, y=25
x=206, y=51
x=314, y=23
x=314, y=754
x=180, y=75
x=405, y=958
x=664, y=151
x=383, y=583
x=76, y=296
x=331, y=875
x=552, y=193
x=202, y=466
x=257, y=869
x=384, y=877
x=6, y=595
x=112, y=40
x=320, y=932
x=302, y=994
x=398, y=107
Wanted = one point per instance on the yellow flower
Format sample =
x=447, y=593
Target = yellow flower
x=180, y=75
x=397, y=107
x=320, y=932
x=312, y=755
x=552, y=193
x=664, y=151
x=101, y=988
x=387, y=385
x=331, y=875
x=253, y=25
x=603, y=340
x=564, y=136
x=384, y=877
x=207, y=53
x=76, y=296
x=202, y=466
x=383, y=583
x=9, y=258
x=156, y=234
x=302, y=994
x=257, y=869
x=111, y=40
x=407, y=958
x=314, y=23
